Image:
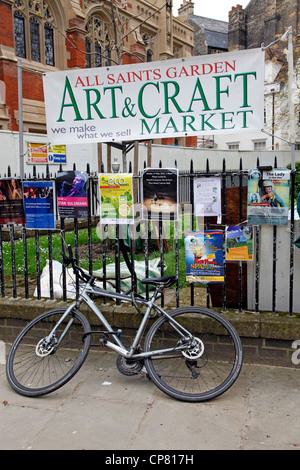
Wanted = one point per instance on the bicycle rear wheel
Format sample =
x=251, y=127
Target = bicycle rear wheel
x=206, y=368
x=35, y=368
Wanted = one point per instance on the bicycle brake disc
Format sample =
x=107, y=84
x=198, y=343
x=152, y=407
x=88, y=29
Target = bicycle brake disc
x=196, y=351
x=44, y=349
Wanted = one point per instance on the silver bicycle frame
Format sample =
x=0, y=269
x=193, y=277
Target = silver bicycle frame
x=119, y=348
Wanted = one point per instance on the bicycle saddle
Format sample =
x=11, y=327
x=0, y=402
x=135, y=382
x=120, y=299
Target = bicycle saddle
x=166, y=280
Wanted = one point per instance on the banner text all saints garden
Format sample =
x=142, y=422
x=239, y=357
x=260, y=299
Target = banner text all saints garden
x=163, y=99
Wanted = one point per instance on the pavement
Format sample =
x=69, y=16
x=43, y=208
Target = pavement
x=101, y=409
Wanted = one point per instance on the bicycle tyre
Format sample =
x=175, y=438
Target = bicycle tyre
x=32, y=374
x=186, y=378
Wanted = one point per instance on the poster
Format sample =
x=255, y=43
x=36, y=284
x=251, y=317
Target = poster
x=239, y=243
x=116, y=198
x=39, y=204
x=71, y=191
x=268, y=197
x=207, y=197
x=160, y=194
x=173, y=98
x=204, y=256
x=11, y=201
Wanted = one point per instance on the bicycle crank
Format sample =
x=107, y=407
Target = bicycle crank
x=128, y=366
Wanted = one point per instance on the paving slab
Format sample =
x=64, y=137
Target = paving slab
x=101, y=409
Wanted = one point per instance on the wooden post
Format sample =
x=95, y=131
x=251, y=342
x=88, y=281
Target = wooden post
x=149, y=153
x=99, y=156
x=108, y=169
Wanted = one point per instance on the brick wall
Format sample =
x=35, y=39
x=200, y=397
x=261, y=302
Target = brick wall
x=266, y=338
x=6, y=25
x=9, y=74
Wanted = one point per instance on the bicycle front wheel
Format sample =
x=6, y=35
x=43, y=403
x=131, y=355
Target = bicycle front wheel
x=203, y=369
x=38, y=364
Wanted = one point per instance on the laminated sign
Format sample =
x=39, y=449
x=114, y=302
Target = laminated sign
x=199, y=95
x=116, y=198
x=268, y=197
x=39, y=204
x=71, y=191
x=160, y=194
x=204, y=256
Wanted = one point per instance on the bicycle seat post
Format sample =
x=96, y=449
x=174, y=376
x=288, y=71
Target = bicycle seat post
x=158, y=289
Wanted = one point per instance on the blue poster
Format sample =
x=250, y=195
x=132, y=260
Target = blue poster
x=204, y=256
x=38, y=204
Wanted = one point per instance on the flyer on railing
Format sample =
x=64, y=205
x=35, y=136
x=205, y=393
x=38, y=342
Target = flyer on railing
x=207, y=196
x=239, y=243
x=39, y=204
x=116, y=198
x=160, y=194
x=204, y=256
x=268, y=197
x=11, y=201
x=71, y=191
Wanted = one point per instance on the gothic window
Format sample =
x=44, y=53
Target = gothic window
x=97, y=44
x=35, y=40
x=49, y=45
x=19, y=35
x=34, y=32
x=88, y=59
x=107, y=55
x=98, y=55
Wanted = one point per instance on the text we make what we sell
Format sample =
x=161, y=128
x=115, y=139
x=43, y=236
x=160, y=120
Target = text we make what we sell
x=156, y=101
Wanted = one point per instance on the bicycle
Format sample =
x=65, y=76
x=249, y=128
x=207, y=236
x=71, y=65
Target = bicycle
x=192, y=353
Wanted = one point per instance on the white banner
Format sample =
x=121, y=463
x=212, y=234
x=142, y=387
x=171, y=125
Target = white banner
x=212, y=94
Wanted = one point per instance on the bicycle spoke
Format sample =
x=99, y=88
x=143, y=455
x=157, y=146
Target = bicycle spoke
x=34, y=370
x=208, y=365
